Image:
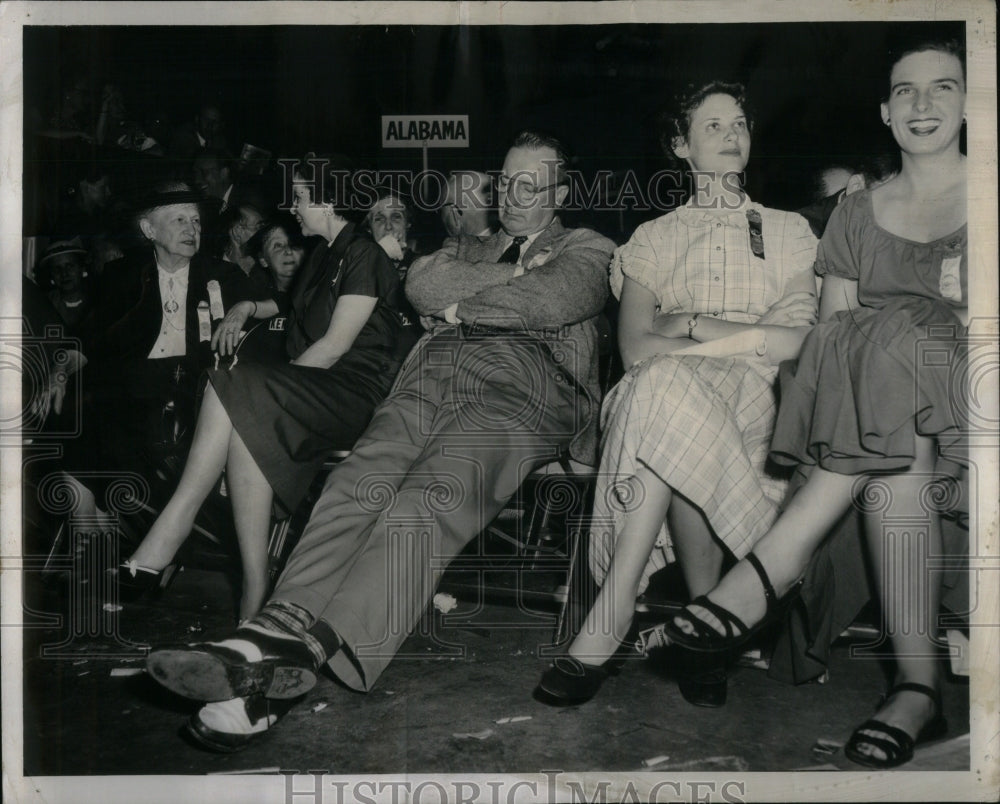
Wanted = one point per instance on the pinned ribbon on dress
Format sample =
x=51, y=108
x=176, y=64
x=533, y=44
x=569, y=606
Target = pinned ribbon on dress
x=756, y=233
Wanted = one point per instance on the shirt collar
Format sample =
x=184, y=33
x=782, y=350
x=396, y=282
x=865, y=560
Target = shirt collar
x=180, y=275
x=529, y=239
x=728, y=216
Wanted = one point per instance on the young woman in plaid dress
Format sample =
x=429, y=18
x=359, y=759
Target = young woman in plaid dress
x=713, y=296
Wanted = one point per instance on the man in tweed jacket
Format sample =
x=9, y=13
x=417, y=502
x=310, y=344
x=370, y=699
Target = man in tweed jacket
x=505, y=381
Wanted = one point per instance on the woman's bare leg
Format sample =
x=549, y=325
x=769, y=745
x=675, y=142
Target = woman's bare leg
x=910, y=595
x=209, y=449
x=251, y=496
x=608, y=621
x=784, y=550
x=697, y=551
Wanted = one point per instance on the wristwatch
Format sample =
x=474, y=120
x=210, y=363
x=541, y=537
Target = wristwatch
x=692, y=323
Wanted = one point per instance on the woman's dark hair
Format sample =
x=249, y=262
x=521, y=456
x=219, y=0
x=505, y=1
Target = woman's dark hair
x=330, y=178
x=907, y=45
x=675, y=120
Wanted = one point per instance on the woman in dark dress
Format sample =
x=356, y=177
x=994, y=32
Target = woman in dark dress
x=271, y=426
x=871, y=411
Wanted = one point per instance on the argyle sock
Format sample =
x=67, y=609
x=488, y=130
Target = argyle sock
x=281, y=618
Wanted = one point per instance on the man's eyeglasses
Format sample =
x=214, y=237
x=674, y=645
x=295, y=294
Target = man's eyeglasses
x=523, y=192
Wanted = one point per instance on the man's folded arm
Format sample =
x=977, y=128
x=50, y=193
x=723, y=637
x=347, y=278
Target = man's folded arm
x=570, y=287
x=442, y=278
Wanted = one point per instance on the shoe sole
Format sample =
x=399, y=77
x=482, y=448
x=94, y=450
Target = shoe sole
x=544, y=696
x=705, y=698
x=205, y=737
x=204, y=676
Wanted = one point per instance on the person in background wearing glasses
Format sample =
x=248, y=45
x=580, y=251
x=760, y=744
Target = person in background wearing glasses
x=505, y=382
x=468, y=204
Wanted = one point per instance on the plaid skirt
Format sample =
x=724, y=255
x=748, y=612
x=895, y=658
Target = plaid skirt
x=703, y=425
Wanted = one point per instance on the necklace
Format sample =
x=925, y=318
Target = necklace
x=170, y=307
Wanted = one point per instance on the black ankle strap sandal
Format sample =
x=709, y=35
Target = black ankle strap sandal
x=707, y=639
x=895, y=745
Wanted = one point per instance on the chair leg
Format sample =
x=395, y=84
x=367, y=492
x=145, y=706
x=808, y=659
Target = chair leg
x=51, y=566
x=581, y=591
x=276, y=547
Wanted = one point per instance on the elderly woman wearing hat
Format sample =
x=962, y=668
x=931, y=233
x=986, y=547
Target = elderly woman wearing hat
x=272, y=426
x=148, y=337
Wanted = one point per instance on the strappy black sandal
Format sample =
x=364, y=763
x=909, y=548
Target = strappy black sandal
x=707, y=639
x=894, y=743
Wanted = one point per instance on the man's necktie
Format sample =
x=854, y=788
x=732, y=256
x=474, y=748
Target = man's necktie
x=513, y=251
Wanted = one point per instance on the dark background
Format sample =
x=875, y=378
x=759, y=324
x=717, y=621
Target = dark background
x=814, y=88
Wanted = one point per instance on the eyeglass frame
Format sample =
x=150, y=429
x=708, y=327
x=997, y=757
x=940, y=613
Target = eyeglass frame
x=502, y=182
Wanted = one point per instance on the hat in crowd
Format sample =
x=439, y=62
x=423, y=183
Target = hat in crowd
x=165, y=195
x=73, y=246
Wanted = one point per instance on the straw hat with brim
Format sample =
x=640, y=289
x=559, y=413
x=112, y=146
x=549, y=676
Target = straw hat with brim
x=60, y=247
x=282, y=220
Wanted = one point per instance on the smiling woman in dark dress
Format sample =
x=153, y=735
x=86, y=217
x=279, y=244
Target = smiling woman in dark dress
x=271, y=426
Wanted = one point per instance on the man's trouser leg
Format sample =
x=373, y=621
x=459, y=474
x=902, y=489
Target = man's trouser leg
x=505, y=410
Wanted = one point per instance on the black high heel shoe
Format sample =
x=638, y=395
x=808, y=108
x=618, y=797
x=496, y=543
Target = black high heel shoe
x=706, y=639
x=702, y=678
x=569, y=681
x=894, y=743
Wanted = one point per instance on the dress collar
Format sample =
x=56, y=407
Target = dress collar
x=728, y=216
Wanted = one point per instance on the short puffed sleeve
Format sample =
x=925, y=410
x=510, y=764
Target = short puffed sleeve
x=837, y=253
x=359, y=270
x=640, y=260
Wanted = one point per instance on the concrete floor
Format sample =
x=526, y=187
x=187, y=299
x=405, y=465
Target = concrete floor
x=436, y=709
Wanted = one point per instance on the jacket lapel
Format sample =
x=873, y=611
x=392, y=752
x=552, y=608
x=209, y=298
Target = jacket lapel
x=548, y=236
x=151, y=307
